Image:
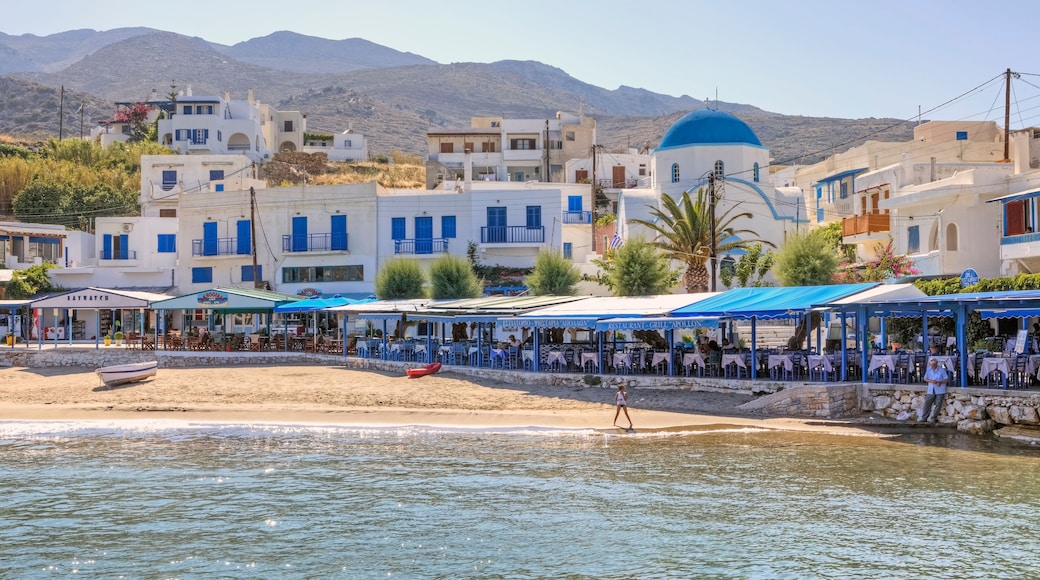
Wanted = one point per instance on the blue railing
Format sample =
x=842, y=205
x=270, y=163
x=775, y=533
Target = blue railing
x=1020, y=239
x=421, y=246
x=215, y=247
x=130, y=255
x=512, y=235
x=577, y=217
x=315, y=243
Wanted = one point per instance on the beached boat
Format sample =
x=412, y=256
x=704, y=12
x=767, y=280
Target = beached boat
x=131, y=373
x=423, y=371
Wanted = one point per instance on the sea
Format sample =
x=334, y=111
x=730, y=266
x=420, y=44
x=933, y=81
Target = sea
x=172, y=499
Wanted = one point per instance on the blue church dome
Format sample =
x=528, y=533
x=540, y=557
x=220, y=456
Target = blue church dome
x=708, y=127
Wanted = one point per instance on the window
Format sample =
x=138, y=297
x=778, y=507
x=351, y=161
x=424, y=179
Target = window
x=962, y=135
x=169, y=179
x=675, y=173
x=202, y=275
x=487, y=147
x=167, y=243
x=569, y=135
x=220, y=136
x=951, y=237
x=168, y=213
x=913, y=239
x=522, y=144
x=573, y=203
x=534, y=216
x=642, y=170
x=448, y=226
x=447, y=147
x=467, y=147
x=186, y=110
x=755, y=173
x=216, y=174
x=287, y=127
x=306, y=274
x=203, y=109
x=247, y=273
x=397, y=226
x=720, y=168
x=568, y=250
x=581, y=175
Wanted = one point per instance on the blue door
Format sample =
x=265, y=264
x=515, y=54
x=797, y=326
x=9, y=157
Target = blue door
x=209, y=239
x=496, y=225
x=339, y=232
x=424, y=235
x=299, y=234
x=244, y=242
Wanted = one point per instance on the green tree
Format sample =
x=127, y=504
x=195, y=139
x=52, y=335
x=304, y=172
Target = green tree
x=806, y=259
x=30, y=282
x=400, y=279
x=453, y=277
x=72, y=205
x=43, y=202
x=553, y=275
x=637, y=269
x=750, y=269
x=683, y=231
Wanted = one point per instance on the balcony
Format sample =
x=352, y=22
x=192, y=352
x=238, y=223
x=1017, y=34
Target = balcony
x=114, y=256
x=864, y=224
x=512, y=235
x=577, y=217
x=315, y=243
x=1022, y=247
x=422, y=246
x=215, y=247
x=627, y=183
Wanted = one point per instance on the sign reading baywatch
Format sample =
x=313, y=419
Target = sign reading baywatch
x=212, y=298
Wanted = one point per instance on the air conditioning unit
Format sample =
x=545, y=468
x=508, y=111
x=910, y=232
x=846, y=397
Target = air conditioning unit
x=127, y=228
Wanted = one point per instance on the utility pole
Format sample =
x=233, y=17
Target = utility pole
x=1007, y=114
x=252, y=228
x=61, y=113
x=711, y=221
x=545, y=177
x=592, y=207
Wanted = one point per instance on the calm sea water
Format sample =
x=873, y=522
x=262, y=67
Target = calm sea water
x=181, y=500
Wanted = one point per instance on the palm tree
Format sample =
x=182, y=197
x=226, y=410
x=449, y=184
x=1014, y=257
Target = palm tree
x=683, y=232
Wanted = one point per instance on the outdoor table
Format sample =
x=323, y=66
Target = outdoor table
x=590, y=357
x=528, y=355
x=556, y=356
x=821, y=360
x=882, y=360
x=660, y=357
x=785, y=360
x=1033, y=365
x=498, y=353
x=737, y=359
x=693, y=358
x=622, y=359
x=948, y=361
x=995, y=363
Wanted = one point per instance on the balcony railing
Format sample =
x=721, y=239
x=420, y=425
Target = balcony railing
x=421, y=246
x=626, y=183
x=215, y=247
x=864, y=224
x=1020, y=239
x=315, y=243
x=577, y=217
x=512, y=235
x=130, y=255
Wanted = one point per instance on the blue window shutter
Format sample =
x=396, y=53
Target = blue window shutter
x=573, y=203
x=448, y=226
x=123, y=250
x=962, y=135
x=187, y=109
x=202, y=275
x=247, y=272
x=216, y=174
x=167, y=243
x=568, y=250
x=106, y=247
x=209, y=239
x=534, y=216
x=913, y=239
x=339, y=232
x=397, y=231
x=299, y=233
x=243, y=244
x=169, y=179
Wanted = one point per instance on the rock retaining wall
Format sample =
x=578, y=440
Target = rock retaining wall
x=974, y=410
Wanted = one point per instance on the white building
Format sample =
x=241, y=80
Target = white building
x=346, y=146
x=705, y=142
x=165, y=178
x=131, y=252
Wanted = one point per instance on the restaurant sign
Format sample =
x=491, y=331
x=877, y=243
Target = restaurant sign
x=309, y=293
x=212, y=298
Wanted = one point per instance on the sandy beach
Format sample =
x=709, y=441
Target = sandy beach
x=334, y=395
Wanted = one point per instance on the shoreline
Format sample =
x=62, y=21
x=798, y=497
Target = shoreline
x=323, y=395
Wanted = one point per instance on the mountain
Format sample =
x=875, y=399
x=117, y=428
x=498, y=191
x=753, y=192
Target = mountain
x=391, y=97
x=56, y=51
x=289, y=51
x=31, y=110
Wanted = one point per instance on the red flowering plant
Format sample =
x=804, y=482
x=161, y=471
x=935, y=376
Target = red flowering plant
x=884, y=265
x=136, y=117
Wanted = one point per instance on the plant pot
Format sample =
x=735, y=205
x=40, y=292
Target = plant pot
x=227, y=349
x=108, y=342
x=10, y=340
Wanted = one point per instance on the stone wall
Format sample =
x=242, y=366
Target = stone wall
x=974, y=410
x=809, y=400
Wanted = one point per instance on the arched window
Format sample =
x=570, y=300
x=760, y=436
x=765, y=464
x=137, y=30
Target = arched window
x=720, y=168
x=756, y=172
x=951, y=237
x=675, y=173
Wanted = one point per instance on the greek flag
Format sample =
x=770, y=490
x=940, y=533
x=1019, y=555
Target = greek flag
x=616, y=242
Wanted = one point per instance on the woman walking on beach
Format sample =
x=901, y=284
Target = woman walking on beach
x=622, y=404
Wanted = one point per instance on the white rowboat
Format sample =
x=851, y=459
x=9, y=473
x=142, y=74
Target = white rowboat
x=131, y=373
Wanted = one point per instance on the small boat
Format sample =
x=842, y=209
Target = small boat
x=131, y=373
x=423, y=371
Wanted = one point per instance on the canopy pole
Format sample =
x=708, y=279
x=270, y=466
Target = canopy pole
x=536, y=362
x=962, y=340
x=754, y=347
x=671, y=351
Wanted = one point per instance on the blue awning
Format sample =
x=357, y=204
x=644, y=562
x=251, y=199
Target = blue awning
x=769, y=302
x=842, y=175
x=1015, y=196
x=656, y=323
x=553, y=322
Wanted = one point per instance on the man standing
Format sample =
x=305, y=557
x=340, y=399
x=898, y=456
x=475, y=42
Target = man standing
x=936, y=377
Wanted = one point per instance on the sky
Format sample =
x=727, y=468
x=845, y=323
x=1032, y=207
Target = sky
x=822, y=58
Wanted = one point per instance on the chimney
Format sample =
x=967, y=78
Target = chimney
x=931, y=176
x=249, y=97
x=467, y=172
x=227, y=96
x=187, y=91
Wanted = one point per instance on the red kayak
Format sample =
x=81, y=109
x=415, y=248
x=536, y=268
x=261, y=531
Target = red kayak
x=423, y=371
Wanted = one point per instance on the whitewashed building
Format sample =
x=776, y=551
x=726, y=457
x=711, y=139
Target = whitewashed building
x=346, y=146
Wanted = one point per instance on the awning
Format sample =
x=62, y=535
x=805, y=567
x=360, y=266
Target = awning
x=1016, y=196
x=226, y=299
x=655, y=323
x=101, y=299
x=585, y=313
x=769, y=302
x=312, y=304
x=842, y=175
